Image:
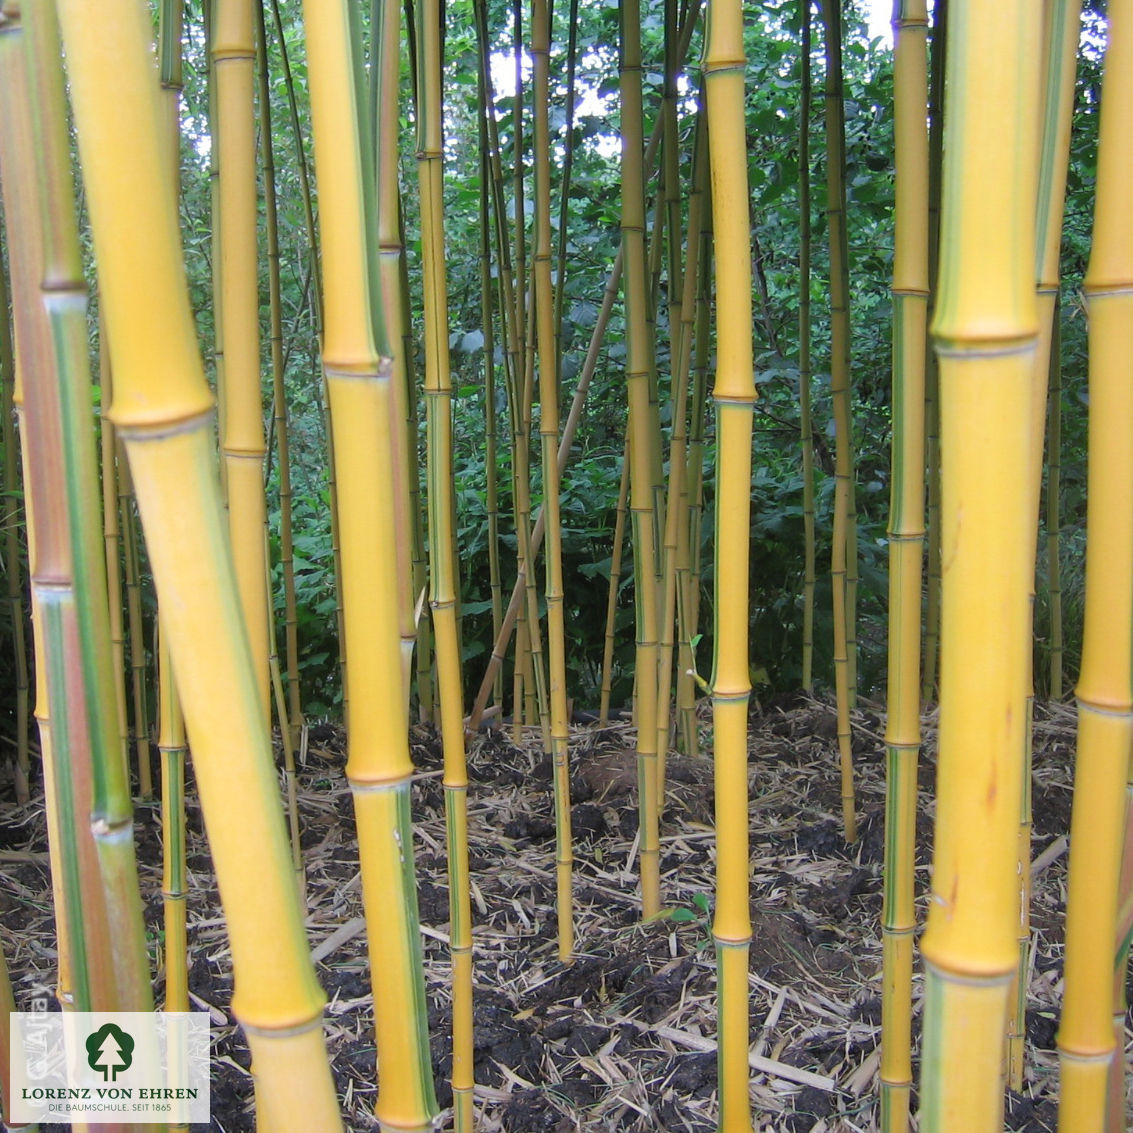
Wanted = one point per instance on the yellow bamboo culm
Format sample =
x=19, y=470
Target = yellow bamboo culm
x=162, y=410
x=443, y=575
x=13, y=61
x=358, y=380
x=985, y=332
x=1105, y=685
x=641, y=478
x=1061, y=20
x=734, y=395
x=906, y=548
x=549, y=437
x=234, y=54
x=844, y=542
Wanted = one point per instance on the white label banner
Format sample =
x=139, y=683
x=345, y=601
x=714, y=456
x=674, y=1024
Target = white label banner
x=94, y=1067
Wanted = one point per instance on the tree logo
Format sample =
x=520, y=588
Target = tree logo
x=110, y=1049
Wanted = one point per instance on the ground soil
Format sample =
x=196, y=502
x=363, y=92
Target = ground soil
x=624, y=1037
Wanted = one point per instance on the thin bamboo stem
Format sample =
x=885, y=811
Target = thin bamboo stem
x=112, y=535
x=690, y=592
x=1105, y=685
x=549, y=437
x=135, y=625
x=844, y=510
x=734, y=395
x=279, y=396
x=805, y=426
x=641, y=478
x=442, y=547
x=174, y=889
x=938, y=55
x=906, y=550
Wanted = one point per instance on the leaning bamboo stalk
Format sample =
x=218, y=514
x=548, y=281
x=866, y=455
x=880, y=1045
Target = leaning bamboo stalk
x=49, y=293
x=442, y=536
x=162, y=410
x=491, y=444
x=1105, y=686
x=840, y=394
x=734, y=395
x=1060, y=36
x=615, y=586
x=805, y=426
x=279, y=397
x=290, y=777
x=570, y=427
x=242, y=441
x=985, y=332
x=358, y=368
x=906, y=549
x=10, y=519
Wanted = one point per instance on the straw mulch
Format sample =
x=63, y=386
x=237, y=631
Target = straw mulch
x=624, y=1038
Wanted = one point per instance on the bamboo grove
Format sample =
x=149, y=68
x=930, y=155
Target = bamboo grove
x=171, y=477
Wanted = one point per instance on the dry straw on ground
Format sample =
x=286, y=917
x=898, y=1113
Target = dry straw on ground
x=623, y=1039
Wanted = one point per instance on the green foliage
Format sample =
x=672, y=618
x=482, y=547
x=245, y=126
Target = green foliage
x=590, y=485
